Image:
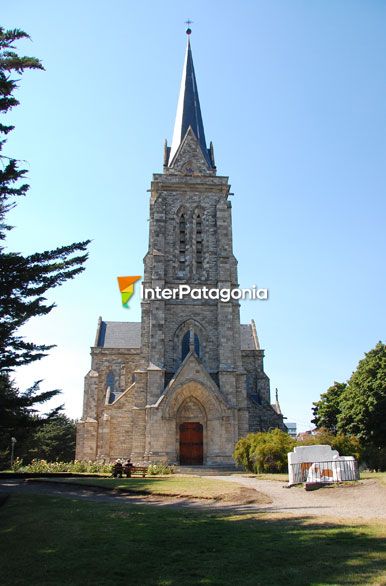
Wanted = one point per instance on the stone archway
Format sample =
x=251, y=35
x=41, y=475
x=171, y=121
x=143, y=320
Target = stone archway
x=196, y=402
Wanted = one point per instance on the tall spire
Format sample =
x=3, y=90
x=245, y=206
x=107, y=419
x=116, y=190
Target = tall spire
x=188, y=108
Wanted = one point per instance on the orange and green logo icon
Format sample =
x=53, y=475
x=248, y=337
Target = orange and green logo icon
x=126, y=287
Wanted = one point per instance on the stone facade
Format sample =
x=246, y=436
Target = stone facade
x=189, y=360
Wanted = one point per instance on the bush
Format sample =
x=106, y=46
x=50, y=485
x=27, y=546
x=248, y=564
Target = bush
x=17, y=464
x=159, y=469
x=81, y=466
x=264, y=451
x=77, y=466
x=267, y=451
x=242, y=453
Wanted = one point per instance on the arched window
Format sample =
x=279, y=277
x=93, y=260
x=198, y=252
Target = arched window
x=197, y=345
x=110, y=380
x=185, y=345
x=110, y=384
x=182, y=242
x=198, y=243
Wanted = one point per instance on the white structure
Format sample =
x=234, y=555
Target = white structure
x=319, y=463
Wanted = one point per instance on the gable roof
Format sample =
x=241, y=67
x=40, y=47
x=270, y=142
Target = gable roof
x=247, y=338
x=126, y=334
x=119, y=334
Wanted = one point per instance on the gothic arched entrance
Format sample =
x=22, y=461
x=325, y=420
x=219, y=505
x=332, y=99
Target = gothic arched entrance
x=191, y=443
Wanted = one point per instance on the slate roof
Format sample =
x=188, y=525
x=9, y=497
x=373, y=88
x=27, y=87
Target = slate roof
x=123, y=334
x=119, y=334
x=247, y=339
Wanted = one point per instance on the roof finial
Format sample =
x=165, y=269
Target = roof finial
x=276, y=405
x=188, y=30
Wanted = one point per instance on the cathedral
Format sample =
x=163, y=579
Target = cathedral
x=184, y=384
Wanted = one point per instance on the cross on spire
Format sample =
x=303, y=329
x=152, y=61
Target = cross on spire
x=188, y=23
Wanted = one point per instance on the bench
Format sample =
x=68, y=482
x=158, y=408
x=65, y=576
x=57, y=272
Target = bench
x=142, y=470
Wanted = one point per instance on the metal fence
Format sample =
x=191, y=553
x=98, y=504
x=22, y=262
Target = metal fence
x=333, y=471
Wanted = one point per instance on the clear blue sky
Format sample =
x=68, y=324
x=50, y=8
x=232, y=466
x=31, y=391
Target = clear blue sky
x=293, y=96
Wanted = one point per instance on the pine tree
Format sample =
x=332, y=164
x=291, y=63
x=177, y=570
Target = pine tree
x=23, y=279
x=53, y=440
x=19, y=415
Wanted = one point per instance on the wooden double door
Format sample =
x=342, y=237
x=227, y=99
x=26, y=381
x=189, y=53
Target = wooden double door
x=191, y=444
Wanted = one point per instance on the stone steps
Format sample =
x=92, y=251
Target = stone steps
x=207, y=470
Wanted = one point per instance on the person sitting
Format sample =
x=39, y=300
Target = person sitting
x=127, y=468
x=117, y=470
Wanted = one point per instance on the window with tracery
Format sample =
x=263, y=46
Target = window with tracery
x=185, y=345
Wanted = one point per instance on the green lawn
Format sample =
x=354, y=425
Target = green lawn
x=181, y=486
x=61, y=541
x=374, y=475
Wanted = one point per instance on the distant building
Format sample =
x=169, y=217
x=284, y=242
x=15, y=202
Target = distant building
x=291, y=429
x=305, y=434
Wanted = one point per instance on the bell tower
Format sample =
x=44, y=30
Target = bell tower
x=190, y=242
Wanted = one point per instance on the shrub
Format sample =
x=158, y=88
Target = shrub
x=159, y=469
x=242, y=453
x=77, y=466
x=17, y=464
x=82, y=466
x=269, y=453
x=264, y=451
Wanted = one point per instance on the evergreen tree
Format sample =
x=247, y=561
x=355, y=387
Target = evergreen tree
x=23, y=279
x=54, y=440
x=19, y=416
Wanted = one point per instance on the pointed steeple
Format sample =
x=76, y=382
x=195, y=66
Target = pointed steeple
x=188, y=109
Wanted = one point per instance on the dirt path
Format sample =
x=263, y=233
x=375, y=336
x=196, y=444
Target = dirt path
x=363, y=501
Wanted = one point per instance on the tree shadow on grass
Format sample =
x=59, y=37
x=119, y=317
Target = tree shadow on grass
x=65, y=541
